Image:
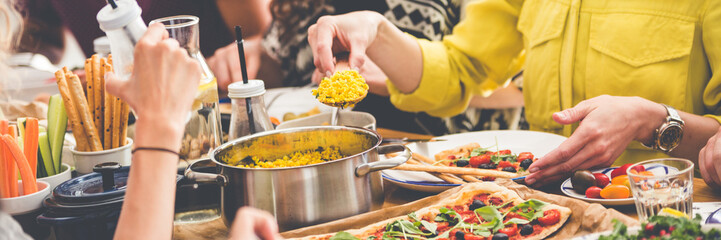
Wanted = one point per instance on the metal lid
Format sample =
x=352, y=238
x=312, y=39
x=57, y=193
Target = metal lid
x=92, y=189
x=111, y=18
x=101, y=45
x=253, y=88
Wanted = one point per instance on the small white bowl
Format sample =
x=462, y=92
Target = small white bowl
x=26, y=203
x=345, y=118
x=59, y=178
x=85, y=161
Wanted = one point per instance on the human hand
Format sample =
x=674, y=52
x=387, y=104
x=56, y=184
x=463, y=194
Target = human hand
x=607, y=125
x=225, y=63
x=164, y=79
x=251, y=223
x=709, y=161
x=343, y=33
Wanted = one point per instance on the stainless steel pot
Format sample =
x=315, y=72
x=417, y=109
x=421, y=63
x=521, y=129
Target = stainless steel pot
x=306, y=195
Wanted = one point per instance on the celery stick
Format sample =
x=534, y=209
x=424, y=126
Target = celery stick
x=57, y=125
x=47, y=159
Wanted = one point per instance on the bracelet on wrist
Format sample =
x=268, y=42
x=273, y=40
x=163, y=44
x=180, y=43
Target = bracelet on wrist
x=155, y=149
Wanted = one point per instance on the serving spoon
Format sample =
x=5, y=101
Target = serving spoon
x=342, y=64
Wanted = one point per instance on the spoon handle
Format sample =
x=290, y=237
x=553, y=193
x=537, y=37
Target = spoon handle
x=334, y=116
x=341, y=62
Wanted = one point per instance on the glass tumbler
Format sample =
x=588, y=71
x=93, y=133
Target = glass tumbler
x=665, y=183
x=202, y=130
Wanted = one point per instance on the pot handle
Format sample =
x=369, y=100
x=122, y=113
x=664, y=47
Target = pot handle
x=204, y=177
x=366, y=168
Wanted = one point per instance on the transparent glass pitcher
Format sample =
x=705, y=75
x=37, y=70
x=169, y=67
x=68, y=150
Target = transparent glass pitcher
x=202, y=131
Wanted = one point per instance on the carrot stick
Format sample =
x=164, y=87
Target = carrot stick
x=29, y=184
x=12, y=167
x=31, y=144
x=4, y=179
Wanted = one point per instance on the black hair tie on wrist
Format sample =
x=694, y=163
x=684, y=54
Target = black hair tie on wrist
x=155, y=149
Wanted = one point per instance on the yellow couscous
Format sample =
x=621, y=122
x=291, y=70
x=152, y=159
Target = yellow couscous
x=343, y=89
x=296, y=159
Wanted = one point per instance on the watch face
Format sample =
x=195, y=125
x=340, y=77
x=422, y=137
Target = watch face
x=670, y=137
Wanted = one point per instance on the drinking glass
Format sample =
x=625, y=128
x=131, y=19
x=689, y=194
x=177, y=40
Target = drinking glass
x=202, y=130
x=666, y=183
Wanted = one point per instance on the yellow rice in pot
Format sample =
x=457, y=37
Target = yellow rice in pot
x=300, y=158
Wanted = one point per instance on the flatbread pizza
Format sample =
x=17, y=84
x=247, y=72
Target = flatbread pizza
x=501, y=163
x=482, y=211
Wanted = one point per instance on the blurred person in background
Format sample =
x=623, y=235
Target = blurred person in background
x=148, y=208
x=286, y=60
x=47, y=21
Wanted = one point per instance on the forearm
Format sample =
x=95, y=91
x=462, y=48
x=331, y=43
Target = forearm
x=254, y=17
x=697, y=130
x=150, y=196
x=398, y=55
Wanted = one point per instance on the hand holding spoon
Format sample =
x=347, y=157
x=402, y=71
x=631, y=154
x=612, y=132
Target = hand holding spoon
x=344, y=89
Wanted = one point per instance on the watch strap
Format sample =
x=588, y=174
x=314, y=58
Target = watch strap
x=672, y=114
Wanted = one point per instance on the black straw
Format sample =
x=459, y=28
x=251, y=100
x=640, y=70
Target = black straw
x=113, y=4
x=244, y=70
x=241, y=52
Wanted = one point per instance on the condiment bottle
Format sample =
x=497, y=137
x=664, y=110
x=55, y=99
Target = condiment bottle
x=240, y=123
x=123, y=25
x=101, y=46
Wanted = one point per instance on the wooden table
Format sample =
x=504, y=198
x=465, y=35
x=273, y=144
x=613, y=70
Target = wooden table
x=398, y=196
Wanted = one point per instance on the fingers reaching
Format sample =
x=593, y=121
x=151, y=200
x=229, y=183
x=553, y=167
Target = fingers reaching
x=156, y=32
x=113, y=85
x=574, y=114
x=320, y=37
x=251, y=222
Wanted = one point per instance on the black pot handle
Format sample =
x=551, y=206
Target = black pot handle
x=366, y=168
x=204, y=177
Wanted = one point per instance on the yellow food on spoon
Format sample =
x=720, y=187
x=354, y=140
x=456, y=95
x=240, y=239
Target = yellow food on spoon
x=343, y=89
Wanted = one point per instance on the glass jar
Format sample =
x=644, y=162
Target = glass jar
x=245, y=97
x=202, y=131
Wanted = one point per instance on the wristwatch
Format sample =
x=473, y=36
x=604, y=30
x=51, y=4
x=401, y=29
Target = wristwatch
x=668, y=136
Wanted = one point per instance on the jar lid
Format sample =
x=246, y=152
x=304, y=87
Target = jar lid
x=253, y=88
x=101, y=45
x=111, y=18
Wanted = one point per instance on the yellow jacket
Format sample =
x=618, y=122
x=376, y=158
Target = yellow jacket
x=661, y=50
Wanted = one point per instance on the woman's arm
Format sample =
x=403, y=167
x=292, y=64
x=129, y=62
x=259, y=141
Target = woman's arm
x=607, y=124
x=160, y=92
x=437, y=77
x=396, y=53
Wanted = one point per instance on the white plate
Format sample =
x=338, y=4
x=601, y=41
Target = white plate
x=634, y=230
x=538, y=143
x=567, y=187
